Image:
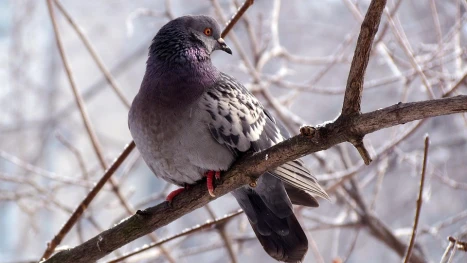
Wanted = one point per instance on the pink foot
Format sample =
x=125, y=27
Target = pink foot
x=209, y=175
x=174, y=193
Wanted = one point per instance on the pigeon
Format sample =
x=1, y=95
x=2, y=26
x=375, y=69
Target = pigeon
x=191, y=121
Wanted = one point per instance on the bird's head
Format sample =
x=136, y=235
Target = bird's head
x=193, y=36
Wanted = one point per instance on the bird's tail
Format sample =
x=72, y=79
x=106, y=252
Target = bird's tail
x=270, y=213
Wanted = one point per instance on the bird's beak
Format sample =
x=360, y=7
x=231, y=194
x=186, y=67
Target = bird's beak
x=223, y=46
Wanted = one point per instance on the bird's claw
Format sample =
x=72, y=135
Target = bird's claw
x=209, y=175
x=174, y=193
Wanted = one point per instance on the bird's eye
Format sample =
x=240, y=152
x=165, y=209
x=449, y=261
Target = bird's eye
x=208, y=31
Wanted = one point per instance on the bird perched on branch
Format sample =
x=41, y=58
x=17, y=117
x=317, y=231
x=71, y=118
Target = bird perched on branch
x=190, y=121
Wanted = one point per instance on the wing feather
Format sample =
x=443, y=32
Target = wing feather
x=239, y=121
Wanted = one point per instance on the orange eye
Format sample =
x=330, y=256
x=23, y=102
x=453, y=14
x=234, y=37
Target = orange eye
x=208, y=31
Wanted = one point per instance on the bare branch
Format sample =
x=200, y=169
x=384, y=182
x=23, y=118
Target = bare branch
x=241, y=173
x=354, y=87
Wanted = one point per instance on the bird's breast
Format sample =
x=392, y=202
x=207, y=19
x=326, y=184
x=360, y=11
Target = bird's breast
x=177, y=145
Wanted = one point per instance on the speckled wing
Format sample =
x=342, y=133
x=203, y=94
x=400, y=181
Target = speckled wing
x=239, y=121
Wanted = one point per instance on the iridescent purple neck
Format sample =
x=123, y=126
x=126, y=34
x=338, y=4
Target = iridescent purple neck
x=178, y=80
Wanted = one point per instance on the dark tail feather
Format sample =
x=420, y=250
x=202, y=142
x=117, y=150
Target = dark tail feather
x=278, y=230
x=289, y=248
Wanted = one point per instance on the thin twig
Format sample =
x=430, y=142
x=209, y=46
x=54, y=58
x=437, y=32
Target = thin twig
x=456, y=85
x=409, y=53
x=462, y=245
x=168, y=9
x=190, y=231
x=82, y=109
x=380, y=47
x=439, y=34
x=447, y=253
x=86, y=201
x=98, y=86
x=90, y=131
x=93, y=53
x=284, y=116
x=77, y=96
x=315, y=250
x=453, y=252
x=352, y=245
x=457, y=38
x=76, y=153
x=236, y=17
x=223, y=234
x=43, y=173
x=419, y=202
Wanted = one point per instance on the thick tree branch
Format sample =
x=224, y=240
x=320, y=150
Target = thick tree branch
x=322, y=137
x=354, y=87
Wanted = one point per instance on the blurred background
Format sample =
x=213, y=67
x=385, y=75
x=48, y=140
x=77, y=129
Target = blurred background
x=302, y=52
